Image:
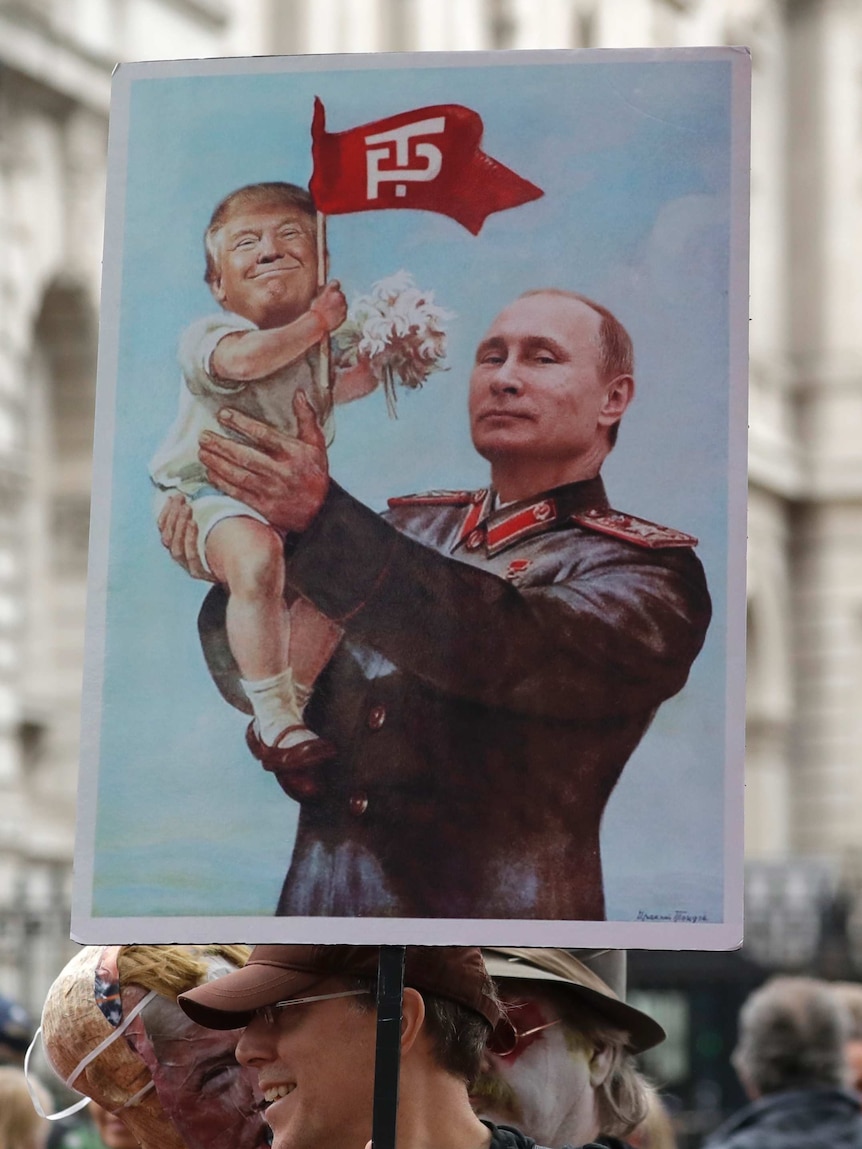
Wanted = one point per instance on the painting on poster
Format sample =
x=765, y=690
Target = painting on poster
x=520, y=709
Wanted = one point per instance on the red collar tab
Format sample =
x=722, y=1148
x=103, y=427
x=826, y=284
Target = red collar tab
x=641, y=532
x=516, y=525
x=478, y=529
x=471, y=533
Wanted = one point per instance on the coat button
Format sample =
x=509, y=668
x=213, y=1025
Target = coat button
x=357, y=803
x=376, y=717
x=474, y=540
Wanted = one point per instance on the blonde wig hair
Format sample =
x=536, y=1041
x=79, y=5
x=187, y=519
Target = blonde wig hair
x=74, y=1024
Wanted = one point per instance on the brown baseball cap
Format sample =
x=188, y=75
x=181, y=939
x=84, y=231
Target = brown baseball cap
x=558, y=966
x=278, y=973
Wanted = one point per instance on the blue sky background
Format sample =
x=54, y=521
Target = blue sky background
x=634, y=159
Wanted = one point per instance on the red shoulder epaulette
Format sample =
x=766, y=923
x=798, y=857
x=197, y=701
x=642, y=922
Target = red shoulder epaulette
x=435, y=499
x=641, y=532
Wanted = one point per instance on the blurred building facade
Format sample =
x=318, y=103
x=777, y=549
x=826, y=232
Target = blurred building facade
x=56, y=58
x=804, y=761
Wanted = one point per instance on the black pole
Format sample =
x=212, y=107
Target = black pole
x=387, y=1062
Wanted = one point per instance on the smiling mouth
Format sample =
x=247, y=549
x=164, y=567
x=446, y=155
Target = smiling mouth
x=280, y=270
x=275, y=1093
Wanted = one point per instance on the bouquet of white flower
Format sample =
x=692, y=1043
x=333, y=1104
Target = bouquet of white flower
x=396, y=332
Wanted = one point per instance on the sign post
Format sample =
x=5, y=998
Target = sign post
x=390, y=998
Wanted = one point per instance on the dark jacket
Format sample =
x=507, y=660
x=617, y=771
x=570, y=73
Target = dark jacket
x=496, y=672
x=508, y=1137
x=795, y=1119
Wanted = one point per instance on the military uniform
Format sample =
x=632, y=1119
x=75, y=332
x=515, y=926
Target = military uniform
x=497, y=670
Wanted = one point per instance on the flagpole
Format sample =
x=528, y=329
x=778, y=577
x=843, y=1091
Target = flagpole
x=324, y=381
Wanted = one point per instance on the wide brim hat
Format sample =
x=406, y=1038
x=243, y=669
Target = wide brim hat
x=276, y=973
x=559, y=967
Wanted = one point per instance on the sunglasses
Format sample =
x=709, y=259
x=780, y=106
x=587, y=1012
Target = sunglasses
x=505, y=1040
x=269, y=1013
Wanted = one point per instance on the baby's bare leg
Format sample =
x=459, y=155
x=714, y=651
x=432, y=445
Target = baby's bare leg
x=247, y=556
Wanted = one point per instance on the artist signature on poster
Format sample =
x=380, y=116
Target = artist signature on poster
x=674, y=916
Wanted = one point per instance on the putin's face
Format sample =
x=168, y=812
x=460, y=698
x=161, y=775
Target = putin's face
x=536, y=389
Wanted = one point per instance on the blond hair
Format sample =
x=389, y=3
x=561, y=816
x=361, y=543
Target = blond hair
x=172, y=970
x=622, y=1099
x=656, y=1131
x=274, y=193
x=20, y=1125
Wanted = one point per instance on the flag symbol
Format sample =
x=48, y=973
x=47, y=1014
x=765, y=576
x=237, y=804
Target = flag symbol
x=428, y=159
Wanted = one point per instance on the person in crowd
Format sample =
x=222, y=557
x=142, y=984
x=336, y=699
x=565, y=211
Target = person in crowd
x=850, y=995
x=571, y=1076
x=113, y=1133
x=656, y=1131
x=310, y=1026
x=16, y=1029
x=113, y=1031
x=21, y=1127
x=790, y=1060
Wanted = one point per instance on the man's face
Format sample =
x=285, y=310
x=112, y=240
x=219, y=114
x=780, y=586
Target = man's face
x=211, y=1100
x=536, y=391
x=316, y=1070
x=543, y=1086
x=266, y=264
x=112, y=1131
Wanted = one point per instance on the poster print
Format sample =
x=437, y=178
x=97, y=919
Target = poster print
x=462, y=457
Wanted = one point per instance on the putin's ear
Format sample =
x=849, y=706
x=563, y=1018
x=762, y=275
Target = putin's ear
x=412, y=1018
x=601, y=1061
x=618, y=394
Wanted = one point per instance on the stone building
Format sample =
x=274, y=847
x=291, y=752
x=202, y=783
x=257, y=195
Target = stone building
x=804, y=792
x=56, y=58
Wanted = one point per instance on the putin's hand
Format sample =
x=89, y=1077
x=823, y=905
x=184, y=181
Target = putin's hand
x=283, y=477
x=180, y=536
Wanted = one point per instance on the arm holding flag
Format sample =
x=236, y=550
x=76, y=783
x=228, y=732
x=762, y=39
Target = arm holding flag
x=253, y=355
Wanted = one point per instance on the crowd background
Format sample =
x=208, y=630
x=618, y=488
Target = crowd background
x=804, y=757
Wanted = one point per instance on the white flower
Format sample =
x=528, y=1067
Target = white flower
x=398, y=330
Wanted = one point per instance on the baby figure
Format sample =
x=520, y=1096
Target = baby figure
x=255, y=355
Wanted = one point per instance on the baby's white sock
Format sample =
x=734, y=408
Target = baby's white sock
x=275, y=706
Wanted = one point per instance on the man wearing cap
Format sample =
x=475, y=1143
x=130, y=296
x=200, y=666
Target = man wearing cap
x=570, y=1077
x=504, y=650
x=310, y=1027
x=16, y=1029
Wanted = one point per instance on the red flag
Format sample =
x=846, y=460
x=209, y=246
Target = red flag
x=428, y=159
